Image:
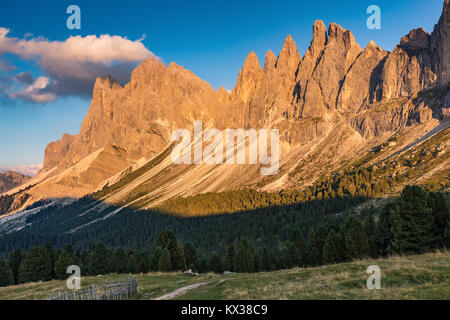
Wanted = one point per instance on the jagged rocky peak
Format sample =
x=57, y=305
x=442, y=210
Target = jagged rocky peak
x=270, y=61
x=320, y=37
x=106, y=82
x=149, y=71
x=251, y=63
x=416, y=39
x=337, y=33
x=289, y=57
x=248, y=77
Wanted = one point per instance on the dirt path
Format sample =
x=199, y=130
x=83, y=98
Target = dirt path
x=182, y=290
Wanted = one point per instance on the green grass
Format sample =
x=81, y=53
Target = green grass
x=424, y=276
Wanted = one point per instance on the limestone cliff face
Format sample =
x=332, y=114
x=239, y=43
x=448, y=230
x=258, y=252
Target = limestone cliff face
x=409, y=68
x=355, y=91
x=139, y=117
x=56, y=151
x=440, y=44
x=335, y=83
x=419, y=60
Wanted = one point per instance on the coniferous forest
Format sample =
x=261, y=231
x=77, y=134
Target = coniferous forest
x=310, y=233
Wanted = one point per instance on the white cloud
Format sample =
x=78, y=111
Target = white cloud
x=31, y=169
x=36, y=91
x=71, y=66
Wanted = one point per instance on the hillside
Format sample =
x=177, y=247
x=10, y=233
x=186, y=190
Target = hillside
x=407, y=277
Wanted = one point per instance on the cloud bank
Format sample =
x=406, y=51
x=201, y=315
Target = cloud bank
x=70, y=66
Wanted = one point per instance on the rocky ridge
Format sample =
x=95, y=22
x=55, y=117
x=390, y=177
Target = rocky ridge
x=336, y=102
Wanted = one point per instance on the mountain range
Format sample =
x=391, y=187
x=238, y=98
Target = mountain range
x=338, y=109
x=11, y=179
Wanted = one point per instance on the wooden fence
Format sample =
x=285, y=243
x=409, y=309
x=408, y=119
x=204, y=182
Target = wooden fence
x=114, y=290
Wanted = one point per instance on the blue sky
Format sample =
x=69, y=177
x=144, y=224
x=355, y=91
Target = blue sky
x=210, y=38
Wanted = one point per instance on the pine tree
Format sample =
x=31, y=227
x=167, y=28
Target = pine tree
x=230, y=257
x=15, y=259
x=412, y=225
x=215, y=263
x=314, y=252
x=383, y=235
x=356, y=243
x=330, y=250
x=99, y=260
x=167, y=240
x=64, y=260
x=142, y=266
x=164, y=263
x=51, y=253
x=440, y=211
x=191, y=256
x=68, y=248
x=369, y=229
x=266, y=261
x=132, y=264
x=178, y=259
x=447, y=234
x=244, y=261
x=155, y=256
x=36, y=266
x=120, y=261
x=6, y=273
x=300, y=245
x=291, y=255
x=369, y=226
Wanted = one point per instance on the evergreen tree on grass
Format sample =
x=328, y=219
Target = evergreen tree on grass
x=6, y=273
x=412, y=224
x=314, y=252
x=99, y=260
x=244, y=261
x=369, y=229
x=383, y=233
x=330, y=250
x=229, y=257
x=300, y=245
x=36, y=266
x=178, y=259
x=164, y=263
x=356, y=243
x=51, y=253
x=132, y=264
x=215, y=263
x=440, y=210
x=15, y=259
x=447, y=234
x=155, y=256
x=142, y=266
x=120, y=261
x=64, y=260
x=266, y=261
x=191, y=256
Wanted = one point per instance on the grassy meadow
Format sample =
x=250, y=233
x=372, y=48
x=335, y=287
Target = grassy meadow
x=424, y=276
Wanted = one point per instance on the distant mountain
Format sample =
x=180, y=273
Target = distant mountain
x=11, y=179
x=340, y=109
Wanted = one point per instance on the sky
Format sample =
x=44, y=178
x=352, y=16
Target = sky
x=47, y=70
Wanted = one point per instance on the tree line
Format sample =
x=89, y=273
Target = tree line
x=417, y=222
